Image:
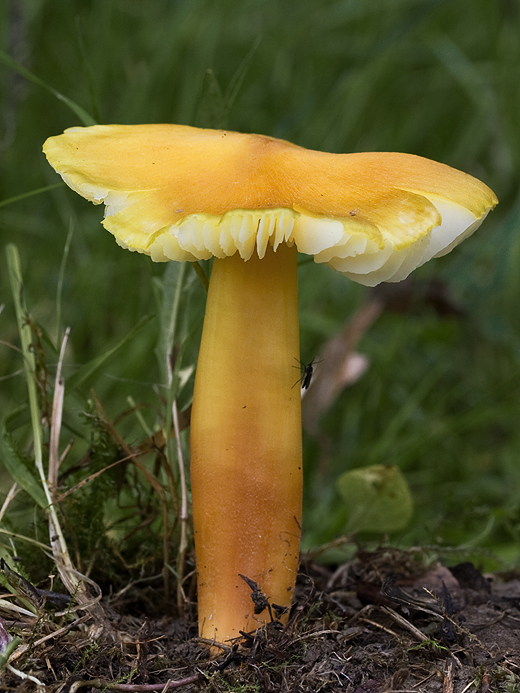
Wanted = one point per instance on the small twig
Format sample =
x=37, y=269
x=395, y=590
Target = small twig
x=471, y=683
x=213, y=643
x=315, y=634
x=418, y=634
x=426, y=678
x=380, y=626
x=137, y=687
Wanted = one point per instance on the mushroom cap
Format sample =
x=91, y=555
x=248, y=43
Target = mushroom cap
x=181, y=193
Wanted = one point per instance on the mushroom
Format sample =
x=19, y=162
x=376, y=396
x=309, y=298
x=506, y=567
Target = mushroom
x=250, y=201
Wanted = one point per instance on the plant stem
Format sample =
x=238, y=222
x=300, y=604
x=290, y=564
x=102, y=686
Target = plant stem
x=246, y=465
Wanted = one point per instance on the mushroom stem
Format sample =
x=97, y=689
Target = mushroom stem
x=246, y=449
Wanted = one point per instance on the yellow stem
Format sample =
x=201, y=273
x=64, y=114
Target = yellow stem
x=246, y=455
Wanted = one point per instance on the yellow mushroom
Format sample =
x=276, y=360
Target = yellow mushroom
x=251, y=201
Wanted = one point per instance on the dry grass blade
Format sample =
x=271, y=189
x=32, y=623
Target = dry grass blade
x=184, y=516
x=57, y=411
x=14, y=608
x=136, y=688
x=74, y=582
x=10, y=495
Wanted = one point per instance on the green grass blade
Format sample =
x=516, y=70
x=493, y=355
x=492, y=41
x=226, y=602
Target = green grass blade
x=15, y=278
x=85, y=117
x=24, y=196
x=17, y=468
x=172, y=287
x=16, y=419
x=380, y=448
x=240, y=75
x=212, y=111
x=89, y=370
x=89, y=73
x=61, y=278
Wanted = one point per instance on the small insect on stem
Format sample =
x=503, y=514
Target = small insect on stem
x=306, y=370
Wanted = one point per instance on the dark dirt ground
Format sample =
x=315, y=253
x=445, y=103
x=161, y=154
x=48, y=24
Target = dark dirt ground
x=382, y=622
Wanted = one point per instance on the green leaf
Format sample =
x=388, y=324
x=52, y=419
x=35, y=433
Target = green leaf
x=24, y=329
x=89, y=370
x=378, y=498
x=18, y=468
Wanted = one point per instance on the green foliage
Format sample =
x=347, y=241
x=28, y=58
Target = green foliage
x=440, y=399
x=85, y=510
x=117, y=505
x=504, y=681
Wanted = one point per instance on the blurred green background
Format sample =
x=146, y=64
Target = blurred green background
x=439, y=78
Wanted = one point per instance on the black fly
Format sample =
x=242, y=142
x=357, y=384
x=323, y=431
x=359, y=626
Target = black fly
x=306, y=370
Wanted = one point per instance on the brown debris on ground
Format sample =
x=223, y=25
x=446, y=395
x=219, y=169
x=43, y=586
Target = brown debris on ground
x=382, y=623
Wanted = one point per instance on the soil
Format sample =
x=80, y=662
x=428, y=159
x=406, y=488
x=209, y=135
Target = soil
x=383, y=622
